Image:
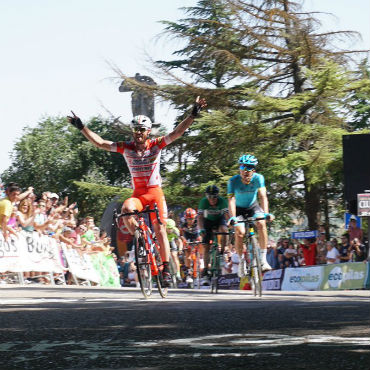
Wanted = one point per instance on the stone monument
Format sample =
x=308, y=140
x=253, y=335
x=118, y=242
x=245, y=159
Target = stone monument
x=142, y=102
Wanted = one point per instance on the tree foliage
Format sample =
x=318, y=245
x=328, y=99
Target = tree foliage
x=280, y=94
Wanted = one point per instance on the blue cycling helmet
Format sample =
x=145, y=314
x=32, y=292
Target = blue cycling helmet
x=248, y=160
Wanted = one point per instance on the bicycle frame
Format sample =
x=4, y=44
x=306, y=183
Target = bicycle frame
x=195, y=258
x=149, y=240
x=214, y=259
x=148, y=263
x=254, y=263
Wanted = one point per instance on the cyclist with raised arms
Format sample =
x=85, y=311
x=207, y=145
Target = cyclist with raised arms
x=212, y=215
x=243, y=191
x=142, y=156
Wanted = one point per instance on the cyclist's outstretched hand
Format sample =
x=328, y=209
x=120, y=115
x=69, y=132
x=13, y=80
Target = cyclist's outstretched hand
x=76, y=121
x=199, y=104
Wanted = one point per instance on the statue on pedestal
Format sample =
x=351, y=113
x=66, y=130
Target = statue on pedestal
x=142, y=102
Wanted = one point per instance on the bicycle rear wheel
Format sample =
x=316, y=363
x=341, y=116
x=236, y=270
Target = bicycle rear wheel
x=158, y=278
x=198, y=270
x=215, y=265
x=143, y=269
x=256, y=268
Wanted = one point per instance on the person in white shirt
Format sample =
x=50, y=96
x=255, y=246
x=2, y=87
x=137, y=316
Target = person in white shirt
x=332, y=255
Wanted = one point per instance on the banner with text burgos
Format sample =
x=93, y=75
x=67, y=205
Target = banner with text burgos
x=352, y=275
x=29, y=252
x=302, y=278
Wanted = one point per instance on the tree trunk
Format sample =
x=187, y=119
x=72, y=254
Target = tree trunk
x=312, y=205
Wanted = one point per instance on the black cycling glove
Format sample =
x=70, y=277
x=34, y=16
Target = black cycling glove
x=76, y=121
x=196, y=110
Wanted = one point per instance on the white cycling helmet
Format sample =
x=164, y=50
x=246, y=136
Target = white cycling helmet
x=141, y=121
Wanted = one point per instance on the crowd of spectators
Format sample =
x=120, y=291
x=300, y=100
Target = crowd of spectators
x=318, y=251
x=48, y=214
x=56, y=217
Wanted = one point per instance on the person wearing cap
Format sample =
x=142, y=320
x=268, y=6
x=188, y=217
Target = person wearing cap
x=142, y=156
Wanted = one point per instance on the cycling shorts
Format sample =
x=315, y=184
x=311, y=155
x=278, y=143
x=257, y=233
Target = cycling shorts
x=210, y=225
x=143, y=197
x=250, y=211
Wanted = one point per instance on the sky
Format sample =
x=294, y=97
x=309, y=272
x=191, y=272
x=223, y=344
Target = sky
x=57, y=55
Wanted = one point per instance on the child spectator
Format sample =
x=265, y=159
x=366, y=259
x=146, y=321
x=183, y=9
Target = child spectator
x=290, y=256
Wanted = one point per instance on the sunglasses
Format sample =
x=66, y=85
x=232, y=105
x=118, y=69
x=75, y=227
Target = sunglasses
x=139, y=129
x=211, y=196
x=246, y=167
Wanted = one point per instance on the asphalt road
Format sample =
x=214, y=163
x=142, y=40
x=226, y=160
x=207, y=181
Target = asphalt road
x=94, y=328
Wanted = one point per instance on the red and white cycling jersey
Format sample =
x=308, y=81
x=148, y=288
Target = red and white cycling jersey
x=144, y=168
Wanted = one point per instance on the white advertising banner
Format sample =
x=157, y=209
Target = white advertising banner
x=80, y=265
x=30, y=252
x=9, y=255
x=302, y=278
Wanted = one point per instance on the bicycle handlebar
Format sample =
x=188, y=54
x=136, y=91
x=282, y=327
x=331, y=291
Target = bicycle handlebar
x=222, y=233
x=147, y=210
x=193, y=243
x=266, y=216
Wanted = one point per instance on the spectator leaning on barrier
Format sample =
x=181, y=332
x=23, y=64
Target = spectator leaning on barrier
x=358, y=250
x=345, y=249
x=6, y=208
x=290, y=256
x=309, y=251
x=26, y=215
x=282, y=246
x=272, y=255
x=332, y=254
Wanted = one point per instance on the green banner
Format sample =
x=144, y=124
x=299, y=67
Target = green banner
x=106, y=269
x=353, y=275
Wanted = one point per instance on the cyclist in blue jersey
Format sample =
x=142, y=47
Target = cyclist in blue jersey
x=248, y=197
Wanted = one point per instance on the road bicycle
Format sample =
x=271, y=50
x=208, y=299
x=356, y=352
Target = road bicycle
x=194, y=270
x=252, y=264
x=148, y=260
x=215, y=258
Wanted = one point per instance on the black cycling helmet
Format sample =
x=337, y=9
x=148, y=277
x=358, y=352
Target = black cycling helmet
x=212, y=190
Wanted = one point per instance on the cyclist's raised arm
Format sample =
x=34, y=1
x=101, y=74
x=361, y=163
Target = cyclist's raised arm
x=199, y=104
x=94, y=138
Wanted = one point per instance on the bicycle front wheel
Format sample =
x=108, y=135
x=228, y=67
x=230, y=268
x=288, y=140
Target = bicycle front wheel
x=256, y=268
x=173, y=272
x=143, y=269
x=158, y=278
